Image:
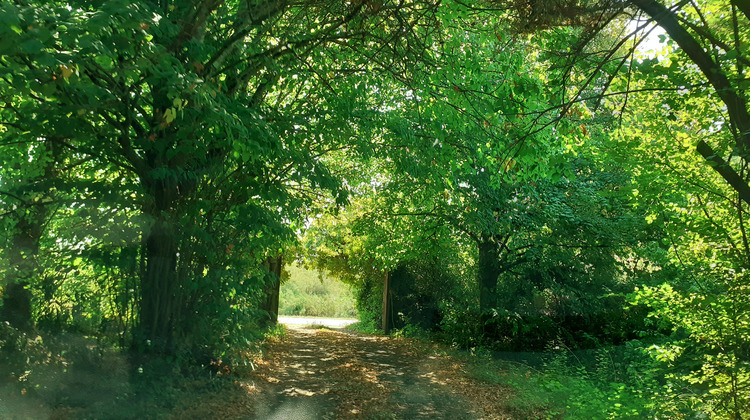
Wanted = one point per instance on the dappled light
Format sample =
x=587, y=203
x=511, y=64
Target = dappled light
x=349, y=375
x=376, y=209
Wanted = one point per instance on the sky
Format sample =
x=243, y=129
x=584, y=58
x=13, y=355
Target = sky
x=652, y=43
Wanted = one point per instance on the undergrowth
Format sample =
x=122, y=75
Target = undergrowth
x=73, y=376
x=364, y=327
x=608, y=383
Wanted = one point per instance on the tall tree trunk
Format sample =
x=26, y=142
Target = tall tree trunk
x=270, y=303
x=488, y=272
x=22, y=258
x=158, y=301
x=387, y=322
x=159, y=292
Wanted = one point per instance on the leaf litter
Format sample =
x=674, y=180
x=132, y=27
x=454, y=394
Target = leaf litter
x=339, y=374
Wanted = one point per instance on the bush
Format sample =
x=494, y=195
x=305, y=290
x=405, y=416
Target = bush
x=620, y=382
x=370, y=305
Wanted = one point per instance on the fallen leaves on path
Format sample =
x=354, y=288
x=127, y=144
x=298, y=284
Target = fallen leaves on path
x=325, y=374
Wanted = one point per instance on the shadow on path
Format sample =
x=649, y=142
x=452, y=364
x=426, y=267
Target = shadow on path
x=334, y=374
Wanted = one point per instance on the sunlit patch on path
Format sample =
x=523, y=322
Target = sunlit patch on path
x=331, y=374
x=310, y=321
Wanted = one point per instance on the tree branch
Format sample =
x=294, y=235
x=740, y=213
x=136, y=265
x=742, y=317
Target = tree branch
x=744, y=7
x=726, y=171
x=735, y=103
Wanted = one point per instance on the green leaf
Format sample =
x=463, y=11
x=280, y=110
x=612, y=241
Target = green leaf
x=32, y=46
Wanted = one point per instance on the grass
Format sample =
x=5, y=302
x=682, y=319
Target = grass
x=310, y=293
x=361, y=327
x=613, y=384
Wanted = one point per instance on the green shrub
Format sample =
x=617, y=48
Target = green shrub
x=370, y=305
x=621, y=382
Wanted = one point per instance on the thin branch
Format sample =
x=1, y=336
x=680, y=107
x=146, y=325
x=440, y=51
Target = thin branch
x=9, y=194
x=735, y=103
x=269, y=10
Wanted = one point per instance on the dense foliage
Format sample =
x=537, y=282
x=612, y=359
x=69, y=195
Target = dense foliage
x=525, y=174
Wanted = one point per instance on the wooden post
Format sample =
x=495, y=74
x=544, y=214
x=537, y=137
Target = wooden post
x=270, y=301
x=387, y=303
x=275, y=291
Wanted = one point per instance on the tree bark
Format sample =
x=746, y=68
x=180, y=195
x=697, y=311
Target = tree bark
x=744, y=6
x=16, y=298
x=727, y=172
x=387, y=302
x=16, y=308
x=270, y=303
x=489, y=270
x=155, y=332
x=159, y=292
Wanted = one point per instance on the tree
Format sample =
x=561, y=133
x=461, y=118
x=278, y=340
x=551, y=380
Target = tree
x=712, y=34
x=28, y=201
x=696, y=278
x=197, y=104
x=462, y=164
x=696, y=92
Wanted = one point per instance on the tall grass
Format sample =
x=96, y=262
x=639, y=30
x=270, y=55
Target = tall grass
x=310, y=293
x=608, y=383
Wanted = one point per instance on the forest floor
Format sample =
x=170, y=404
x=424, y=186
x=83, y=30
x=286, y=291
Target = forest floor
x=321, y=373
x=308, y=372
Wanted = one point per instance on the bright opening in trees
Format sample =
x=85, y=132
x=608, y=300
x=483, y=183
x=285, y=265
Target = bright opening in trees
x=492, y=177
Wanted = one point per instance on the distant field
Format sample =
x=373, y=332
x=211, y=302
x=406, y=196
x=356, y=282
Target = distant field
x=308, y=293
x=315, y=321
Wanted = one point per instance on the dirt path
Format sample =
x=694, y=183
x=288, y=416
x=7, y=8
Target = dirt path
x=309, y=374
x=332, y=374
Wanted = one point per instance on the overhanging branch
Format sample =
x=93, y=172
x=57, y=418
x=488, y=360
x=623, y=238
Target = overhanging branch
x=735, y=103
x=727, y=172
